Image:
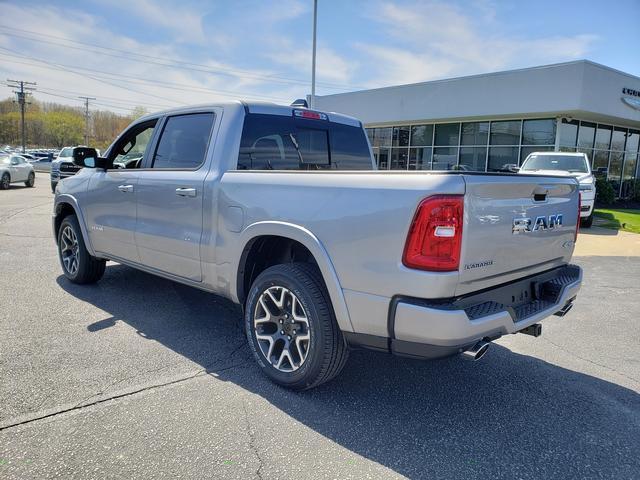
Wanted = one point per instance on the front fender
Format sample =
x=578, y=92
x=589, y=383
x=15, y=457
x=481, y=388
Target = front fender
x=311, y=242
x=61, y=199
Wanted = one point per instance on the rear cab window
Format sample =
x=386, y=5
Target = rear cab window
x=184, y=140
x=279, y=142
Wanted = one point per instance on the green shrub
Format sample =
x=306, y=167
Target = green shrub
x=605, y=193
x=636, y=191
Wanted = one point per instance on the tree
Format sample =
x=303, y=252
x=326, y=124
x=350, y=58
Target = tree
x=138, y=112
x=64, y=128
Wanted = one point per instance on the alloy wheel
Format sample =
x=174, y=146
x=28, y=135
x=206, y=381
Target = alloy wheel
x=69, y=249
x=282, y=330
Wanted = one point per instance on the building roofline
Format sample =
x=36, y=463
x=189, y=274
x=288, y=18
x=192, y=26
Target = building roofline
x=488, y=74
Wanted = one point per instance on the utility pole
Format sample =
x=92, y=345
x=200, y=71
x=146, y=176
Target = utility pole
x=24, y=89
x=313, y=55
x=86, y=119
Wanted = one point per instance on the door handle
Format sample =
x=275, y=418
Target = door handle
x=125, y=188
x=186, y=192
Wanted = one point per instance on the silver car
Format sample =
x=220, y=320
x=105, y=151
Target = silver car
x=15, y=169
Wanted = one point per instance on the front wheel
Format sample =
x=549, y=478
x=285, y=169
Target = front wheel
x=291, y=327
x=77, y=263
x=5, y=181
x=31, y=180
x=587, y=222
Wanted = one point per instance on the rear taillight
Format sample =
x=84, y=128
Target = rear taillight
x=575, y=239
x=435, y=236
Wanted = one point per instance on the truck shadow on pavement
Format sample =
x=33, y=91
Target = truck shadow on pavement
x=507, y=416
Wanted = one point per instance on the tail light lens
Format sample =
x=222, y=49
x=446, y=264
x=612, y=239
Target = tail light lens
x=435, y=236
x=575, y=239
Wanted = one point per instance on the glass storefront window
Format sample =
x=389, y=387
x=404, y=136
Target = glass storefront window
x=603, y=137
x=600, y=160
x=421, y=135
x=400, y=136
x=632, y=141
x=381, y=156
x=586, y=134
x=501, y=157
x=630, y=162
x=382, y=137
x=399, y=158
x=447, y=134
x=525, y=151
x=370, y=133
x=568, y=132
x=444, y=158
x=539, y=132
x=475, y=133
x=618, y=139
x=506, y=133
x=615, y=168
x=473, y=158
x=420, y=158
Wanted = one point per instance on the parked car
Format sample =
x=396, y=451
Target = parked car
x=278, y=209
x=62, y=167
x=15, y=169
x=571, y=164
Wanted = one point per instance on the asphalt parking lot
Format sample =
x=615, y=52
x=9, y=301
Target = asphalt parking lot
x=139, y=377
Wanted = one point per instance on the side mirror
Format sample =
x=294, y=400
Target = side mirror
x=87, y=157
x=514, y=169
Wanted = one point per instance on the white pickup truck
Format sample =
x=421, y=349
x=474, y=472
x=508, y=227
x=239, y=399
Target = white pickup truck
x=571, y=164
x=280, y=209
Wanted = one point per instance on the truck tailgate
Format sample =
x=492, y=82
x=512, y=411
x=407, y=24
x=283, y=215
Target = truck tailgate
x=514, y=226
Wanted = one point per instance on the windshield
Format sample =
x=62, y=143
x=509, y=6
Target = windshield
x=566, y=163
x=66, y=152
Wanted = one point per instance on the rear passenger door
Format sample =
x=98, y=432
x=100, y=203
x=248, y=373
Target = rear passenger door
x=169, y=196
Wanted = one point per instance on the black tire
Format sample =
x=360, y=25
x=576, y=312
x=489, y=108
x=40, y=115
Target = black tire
x=586, y=222
x=53, y=187
x=327, y=350
x=31, y=181
x=89, y=269
x=5, y=181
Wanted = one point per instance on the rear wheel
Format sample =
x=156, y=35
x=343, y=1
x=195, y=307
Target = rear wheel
x=587, y=222
x=77, y=263
x=5, y=181
x=291, y=327
x=31, y=180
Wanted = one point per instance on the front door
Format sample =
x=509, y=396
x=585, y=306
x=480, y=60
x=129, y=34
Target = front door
x=19, y=169
x=169, y=196
x=110, y=206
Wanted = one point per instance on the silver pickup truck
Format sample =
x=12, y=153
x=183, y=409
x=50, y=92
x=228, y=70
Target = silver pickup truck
x=280, y=209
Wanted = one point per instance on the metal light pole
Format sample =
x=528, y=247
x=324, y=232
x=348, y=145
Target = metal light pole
x=313, y=55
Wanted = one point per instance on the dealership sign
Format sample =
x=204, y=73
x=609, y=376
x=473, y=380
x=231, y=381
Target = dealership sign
x=633, y=100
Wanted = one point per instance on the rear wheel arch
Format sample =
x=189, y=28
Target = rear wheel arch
x=286, y=243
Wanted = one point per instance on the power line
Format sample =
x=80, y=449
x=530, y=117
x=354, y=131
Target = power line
x=134, y=79
x=22, y=100
x=170, y=62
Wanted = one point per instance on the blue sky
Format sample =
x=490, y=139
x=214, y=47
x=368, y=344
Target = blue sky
x=162, y=53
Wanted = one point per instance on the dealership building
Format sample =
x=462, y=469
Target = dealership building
x=487, y=122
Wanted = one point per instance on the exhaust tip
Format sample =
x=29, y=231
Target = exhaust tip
x=476, y=352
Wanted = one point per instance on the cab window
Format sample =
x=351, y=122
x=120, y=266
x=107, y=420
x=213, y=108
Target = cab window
x=129, y=151
x=184, y=140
